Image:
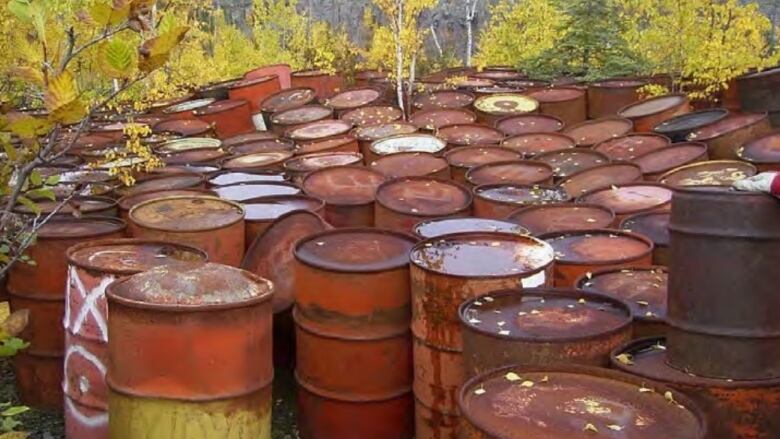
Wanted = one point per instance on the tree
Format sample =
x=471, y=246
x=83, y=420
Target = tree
x=471, y=16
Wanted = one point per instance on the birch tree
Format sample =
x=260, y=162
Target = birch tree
x=471, y=16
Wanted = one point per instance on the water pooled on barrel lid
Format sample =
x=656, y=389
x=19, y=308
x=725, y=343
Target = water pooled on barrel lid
x=644, y=290
x=408, y=143
x=234, y=177
x=243, y=192
x=765, y=149
x=684, y=124
x=129, y=256
x=726, y=125
x=257, y=160
x=356, y=250
x=447, y=226
x=189, y=144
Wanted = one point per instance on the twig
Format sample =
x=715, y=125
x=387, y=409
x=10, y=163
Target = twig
x=104, y=36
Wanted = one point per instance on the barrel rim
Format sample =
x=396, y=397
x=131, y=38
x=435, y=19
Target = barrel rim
x=546, y=166
x=741, y=150
x=70, y=254
x=228, y=105
x=582, y=279
x=561, y=204
x=121, y=226
x=309, y=105
x=246, y=83
x=635, y=236
x=683, y=102
x=590, y=122
x=337, y=203
x=122, y=201
x=264, y=106
x=335, y=396
x=581, y=198
x=129, y=393
x=400, y=180
x=558, y=134
x=440, y=142
x=704, y=154
x=460, y=165
x=762, y=116
x=205, y=229
x=706, y=162
x=720, y=113
x=428, y=221
x=289, y=164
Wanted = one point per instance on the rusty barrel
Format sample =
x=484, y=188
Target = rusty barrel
x=680, y=127
x=510, y=172
x=348, y=192
x=648, y=113
x=282, y=71
x=734, y=409
x=654, y=226
x=170, y=327
x=569, y=104
x=723, y=284
x=208, y=223
x=229, y=178
x=593, y=132
x=263, y=211
x=324, y=83
x=257, y=161
x=243, y=192
x=445, y=271
x=643, y=289
x=435, y=118
x=186, y=128
x=725, y=137
x=352, y=314
x=366, y=135
x=575, y=401
x=403, y=202
x=492, y=108
x=372, y=115
x=568, y=162
x=631, y=146
x=298, y=167
x=657, y=163
x=497, y=201
x=230, y=117
x=606, y=98
x=557, y=217
x=254, y=90
x=92, y=266
x=434, y=228
x=404, y=143
x=709, y=173
x=291, y=118
x=600, y=177
x=629, y=199
x=474, y=134
x=580, y=252
x=286, y=99
x=464, y=158
x=412, y=164
x=442, y=99
x=762, y=152
x=535, y=143
x=529, y=123
x=759, y=92
x=41, y=288
x=184, y=110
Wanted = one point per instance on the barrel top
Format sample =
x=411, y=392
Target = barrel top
x=602, y=176
x=557, y=94
x=595, y=131
x=569, y=161
x=189, y=105
x=129, y=201
x=237, y=177
x=319, y=130
x=438, y=117
x=356, y=250
x=408, y=143
x=270, y=208
x=131, y=256
x=510, y=171
x=765, y=149
x=175, y=181
x=520, y=194
x=67, y=228
x=670, y=157
x=320, y=160
x=557, y=217
x=469, y=156
x=529, y=123
x=443, y=99
x=299, y=115
x=652, y=106
x=597, y=246
x=354, y=98
x=220, y=106
x=631, y=146
x=256, y=160
x=506, y=104
x=186, y=213
x=470, y=134
x=691, y=121
x=710, y=173
x=446, y=226
x=409, y=164
x=630, y=198
x=183, y=127
x=383, y=130
x=424, y=196
x=726, y=125
x=644, y=289
x=372, y=115
x=243, y=192
x=531, y=144
x=287, y=99
x=343, y=185
x=255, y=136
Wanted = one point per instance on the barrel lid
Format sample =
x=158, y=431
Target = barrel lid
x=727, y=125
x=195, y=156
x=219, y=85
x=311, y=162
x=310, y=73
x=254, y=136
x=164, y=103
x=354, y=98
x=423, y=196
x=684, y=124
x=470, y=156
x=129, y=201
x=186, y=213
x=319, y=130
x=267, y=145
x=618, y=83
x=595, y=131
x=499, y=75
x=77, y=205
x=496, y=89
x=597, y=246
x=220, y=106
x=670, y=157
x=559, y=217
x=116, y=127
x=356, y=250
x=301, y=115
x=188, y=144
x=367, y=75
x=470, y=83
x=288, y=99
x=383, y=130
x=183, y=127
x=243, y=192
x=711, y=173
x=409, y=164
x=544, y=315
x=272, y=207
x=577, y=402
x=653, y=225
x=436, y=118
x=196, y=285
x=69, y=175
x=326, y=145
x=228, y=178
x=372, y=115
x=631, y=146
x=557, y=94
x=643, y=289
x=249, y=82
x=131, y=256
x=167, y=182
x=531, y=144
x=256, y=160
x=529, y=123
x=434, y=228
x=527, y=83
x=765, y=149
x=189, y=105
x=652, y=106
x=630, y=198
x=506, y=104
x=85, y=227
x=483, y=255
x=343, y=185
x=601, y=176
x=470, y=134
x=443, y=99
x=512, y=171
x=93, y=141
x=520, y=194
x=408, y=143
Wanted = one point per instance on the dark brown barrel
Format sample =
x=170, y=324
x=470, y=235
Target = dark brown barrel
x=216, y=90
x=570, y=161
x=448, y=226
x=348, y=192
x=569, y=104
x=541, y=326
x=469, y=135
x=292, y=118
x=229, y=117
x=353, y=98
x=559, y=217
x=585, y=251
x=324, y=83
x=600, y=177
x=445, y=271
x=287, y=100
x=679, y=127
x=734, y=409
x=435, y=118
x=532, y=144
x=373, y=115
x=412, y=164
x=630, y=199
x=368, y=134
x=257, y=162
x=725, y=137
x=405, y=143
x=229, y=178
x=568, y=401
x=654, y=226
x=254, y=90
x=513, y=171
x=298, y=167
x=442, y=99
x=186, y=127
x=403, y=202
x=715, y=332
x=497, y=201
x=262, y=212
x=465, y=158
x=529, y=123
x=593, y=132
x=648, y=113
x=353, y=341
x=709, y=173
x=643, y=289
x=631, y=146
x=658, y=162
x=763, y=152
x=606, y=98
x=490, y=109
x=759, y=92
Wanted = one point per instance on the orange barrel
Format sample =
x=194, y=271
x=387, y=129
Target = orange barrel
x=629, y=199
x=439, y=99
x=648, y=113
x=316, y=131
x=532, y=144
x=325, y=84
x=353, y=98
x=762, y=152
x=541, y=326
x=606, y=98
x=86, y=206
x=229, y=178
x=434, y=228
x=93, y=265
x=492, y=108
x=298, y=167
x=446, y=271
x=593, y=132
x=211, y=224
x=643, y=289
x=403, y=202
x=465, y=158
x=341, y=143
x=568, y=104
x=655, y=227
x=558, y=217
x=254, y=90
x=497, y=201
x=368, y=134
x=567, y=162
x=257, y=161
x=230, y=117
x=469, y=135
x=600, y=177
x=631, y=146
x=41, y=288
x=170, y=327
x=411, y=164
x=573, y=401
x=242, y=192
x=289, y=119
x=405, y=143
x=184, y=110
x=510, y=172
x=709, y=173
x=529, y=123
x=282, y=71
x=129, y=201
x=725, y=137
x=656, y=163
x=263, y=211
x=348, y=192
x=435, y=118
x=580, y=252
x=372, y=115
x=186, y=128
x=286, y=99
x=352, y=313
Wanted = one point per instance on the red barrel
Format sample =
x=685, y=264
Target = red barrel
x=532, y=144
x=592, y=132
x=656, y=163
x=348, y=192
x=631, y=146
x=230, y=117
x=529, y=123
x=257, y=161
x=282, y=71
x=630, y=199
x=600, y=177
x=465, y=158
x=606, y=98
x=510, y=172
x=412, y=164
x=186, y=127
x=254, y=90
x=128, y=202
x=435, y=118
x=648, y=113
x=403, y=202
x=325, y=84
x=373, y=115
x=568, y=162
x=569, y=104
x=497, y=201
x=559, y=217
x=725, y=137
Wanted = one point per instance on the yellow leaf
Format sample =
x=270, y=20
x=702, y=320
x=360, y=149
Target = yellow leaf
x=156, y=51
x=625, y=359
x=62, y=91
x=511, y=376
x=28, y=127
x=614, y=427
x=5, y=311
x=527, y=384
x=71, y=113
x=104, y=14
x=14, y=435
x=15, y=323
x=28, y=74
x=590, y=428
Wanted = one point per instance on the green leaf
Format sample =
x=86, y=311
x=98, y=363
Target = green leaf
x=52, y=180
x=10, y=151
x=22, y=9
x=167, y=24
x=116, y=58
x=29, y=127
x=37, y=194
x=156, y=51
x=16, y=410
x=30, y=205
x=10, y=346
x=35, y=178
